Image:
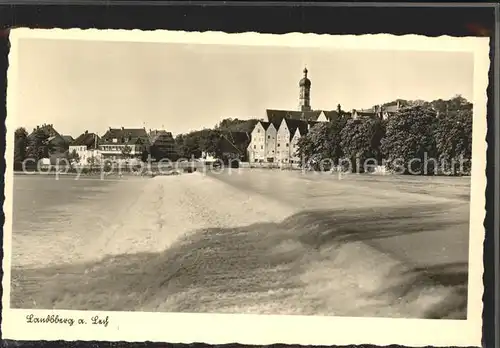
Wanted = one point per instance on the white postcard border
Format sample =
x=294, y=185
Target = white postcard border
x=268, y=329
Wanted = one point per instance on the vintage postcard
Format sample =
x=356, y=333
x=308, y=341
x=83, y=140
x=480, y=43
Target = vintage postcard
x=249, y=188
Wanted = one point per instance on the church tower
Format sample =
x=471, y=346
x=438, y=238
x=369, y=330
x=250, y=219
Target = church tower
x=305, y=93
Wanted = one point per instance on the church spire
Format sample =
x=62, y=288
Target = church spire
x=304, y=93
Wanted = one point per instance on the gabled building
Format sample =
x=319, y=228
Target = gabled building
x=122, y=143
x=289, y=133
x=54, y=141
x=234, y=145
x=68, y=138
x=162, y=145
x=276, y=140
x=270, y=142
x=86, y=146
x=257, y=147
x=380, y=111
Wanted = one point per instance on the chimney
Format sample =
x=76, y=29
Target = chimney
x=123, y=128
x=397, y=105
x=86, y=132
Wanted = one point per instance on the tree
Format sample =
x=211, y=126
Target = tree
x=126, y=150
x=320, y=148
x=454, y=141
x=73, y=157
x=236, y=125
x=20, y=143
x=145, y=155
x=211, y=141
x=189, y=144
x=409, y=145
x=360, y=142
x=37, y=145
x=92, y=161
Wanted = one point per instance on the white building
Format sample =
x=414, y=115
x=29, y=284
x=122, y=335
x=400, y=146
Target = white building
x=257, y=146
x=276, y=140
x=86, y=147
x=123, y=144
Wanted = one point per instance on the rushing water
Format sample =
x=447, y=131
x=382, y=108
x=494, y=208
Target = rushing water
x=420, y=219
x=52, y=218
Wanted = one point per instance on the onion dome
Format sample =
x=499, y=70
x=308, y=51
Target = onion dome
x=305, y=82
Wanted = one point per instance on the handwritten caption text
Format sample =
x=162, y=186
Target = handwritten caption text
x=58, y=319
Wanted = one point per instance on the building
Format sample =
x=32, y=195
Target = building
x=86, y=146
x=380, y=111
x=275, y=140
x=233, y=145
x=162, y=145
x=55, y=142
x=289, y=133
x=257, y=147
x=305, y=93
x=119, y=144
x=68, y=138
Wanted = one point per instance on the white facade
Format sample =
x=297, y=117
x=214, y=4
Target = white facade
x=270, y=143
x=294, y=157
x=85, y=155
x=322, y=117
x=115, y=152
x=257, y=146
x=283, y=143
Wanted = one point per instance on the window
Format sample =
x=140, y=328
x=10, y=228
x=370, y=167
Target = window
x=286, y=144
x=255, y=146
x=268, y=137
x=278, y=144
x=261, y=147
x=258, y=130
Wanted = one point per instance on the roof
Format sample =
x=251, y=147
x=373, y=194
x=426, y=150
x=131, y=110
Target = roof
x=87, y=139
x=265, y=124
x=330, y=115
x=245, y=126
x=293, y=125
x=235, y=142
x=155, y=134
x=305, y=81
x=365, y=113
x=48, y=129
x=237, y=136
x=390, y=108
x=125, y=135
x=68, y=138
x=275, y=116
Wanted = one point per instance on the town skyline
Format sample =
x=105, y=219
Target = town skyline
x=225, y=81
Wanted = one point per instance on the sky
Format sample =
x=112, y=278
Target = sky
x=93, y=85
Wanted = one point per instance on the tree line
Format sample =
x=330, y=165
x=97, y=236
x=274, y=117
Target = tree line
x=421, y=138
x=216, y=140
x=441, y=130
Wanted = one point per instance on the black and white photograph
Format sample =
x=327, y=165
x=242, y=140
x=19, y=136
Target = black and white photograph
x=233, y=186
